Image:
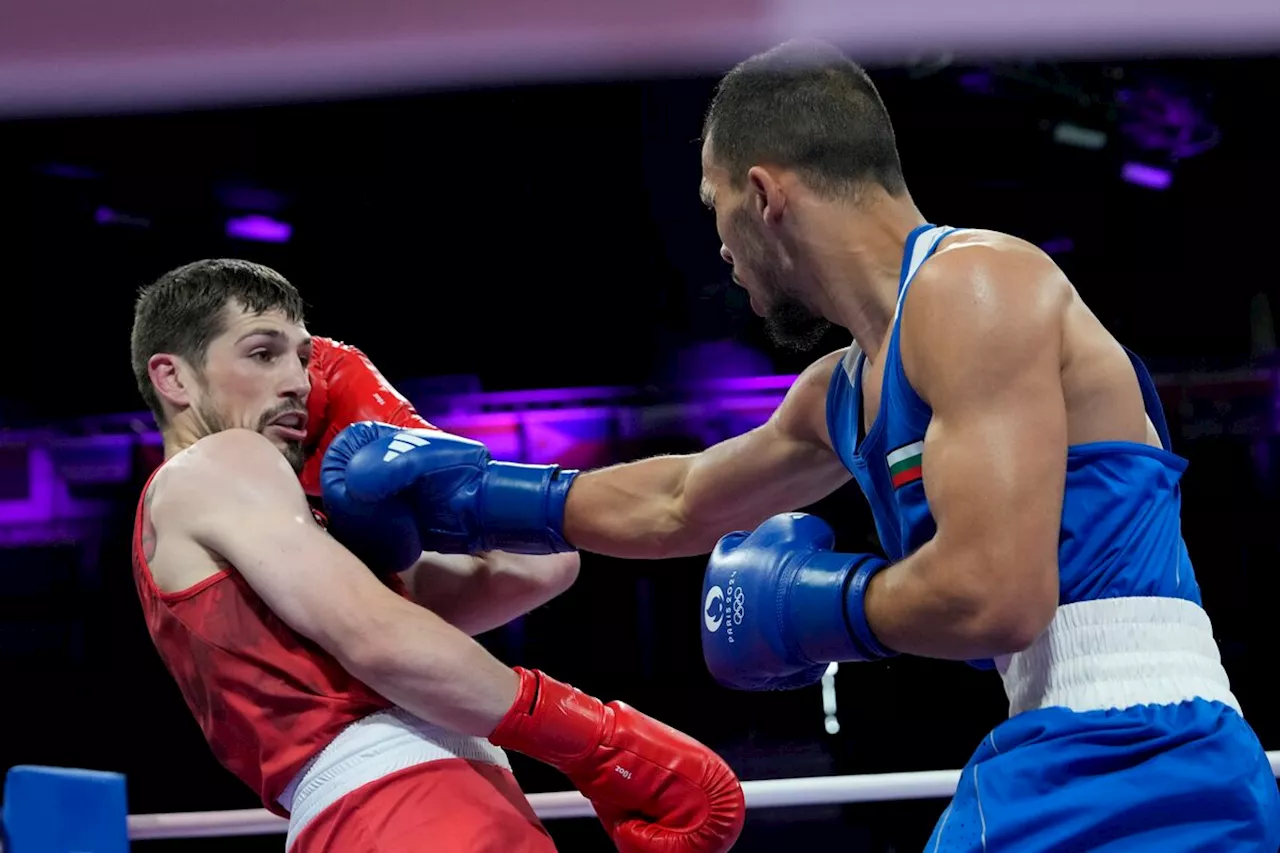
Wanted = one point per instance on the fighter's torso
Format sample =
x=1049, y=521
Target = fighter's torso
x=1120, y=532
x=266, y=698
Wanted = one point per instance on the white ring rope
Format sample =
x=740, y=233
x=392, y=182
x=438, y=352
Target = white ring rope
x=766, y=793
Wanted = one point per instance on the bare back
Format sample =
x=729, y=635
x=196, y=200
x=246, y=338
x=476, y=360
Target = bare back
x=1100, y=389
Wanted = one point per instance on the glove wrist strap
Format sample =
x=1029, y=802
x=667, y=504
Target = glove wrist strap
x=551, y=721
x=855, y=610
x=522, y=508
x=826, y=609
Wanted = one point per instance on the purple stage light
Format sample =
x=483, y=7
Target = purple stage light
x=978, y=82
x=106, y=216
x=257, y=227
x=1147, y=176
x=1057, y=246
x=69, y=171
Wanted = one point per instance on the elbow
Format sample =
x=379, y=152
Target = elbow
x=1007, y=601
x=560, y=574
x=1014, y=616
x=367, y=652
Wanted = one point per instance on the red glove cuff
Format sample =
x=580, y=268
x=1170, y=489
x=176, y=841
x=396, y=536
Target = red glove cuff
x=551, y=721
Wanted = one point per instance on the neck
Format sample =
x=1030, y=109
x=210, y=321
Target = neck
x=180, y=434
x=856, y=253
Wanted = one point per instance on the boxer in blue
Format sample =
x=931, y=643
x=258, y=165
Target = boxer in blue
x=1015, y=457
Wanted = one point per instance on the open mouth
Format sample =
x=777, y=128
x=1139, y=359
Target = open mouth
x=293, y=425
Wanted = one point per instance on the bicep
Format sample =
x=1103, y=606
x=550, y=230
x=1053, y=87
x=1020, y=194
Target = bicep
x=436, y=579
x=994, y=467
x=987, y=358
x=784, y=464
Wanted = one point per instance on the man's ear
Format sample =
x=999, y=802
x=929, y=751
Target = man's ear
x=172, y=378
x=769, y=199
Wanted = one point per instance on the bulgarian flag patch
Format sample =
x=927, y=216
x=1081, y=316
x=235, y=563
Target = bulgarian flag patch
x=904, y=464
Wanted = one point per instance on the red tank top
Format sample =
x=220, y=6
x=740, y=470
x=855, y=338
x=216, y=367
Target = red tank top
x=266, y=698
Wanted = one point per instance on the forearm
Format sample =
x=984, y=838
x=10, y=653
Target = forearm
x=680, y=506
x=925, y=606
x=478, y=594
x=634, y=510
x=431, y=669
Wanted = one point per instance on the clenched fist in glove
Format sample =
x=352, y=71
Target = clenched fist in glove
x=655, y=789
x=346, y=388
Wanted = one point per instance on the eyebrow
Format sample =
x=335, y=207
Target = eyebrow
x=705, y=194
x=271, y=333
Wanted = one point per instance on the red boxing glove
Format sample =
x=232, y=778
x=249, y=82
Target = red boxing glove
x=346, y=388
x=655, y=789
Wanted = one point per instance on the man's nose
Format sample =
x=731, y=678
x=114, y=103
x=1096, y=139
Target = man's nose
x=299, y=382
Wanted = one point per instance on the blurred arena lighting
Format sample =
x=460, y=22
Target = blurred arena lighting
x=1066, y=133
x=1143, y=175
x=69, y=171
x=104, y=215
x=259, y=228
x=79, y=56
x=1058, y=246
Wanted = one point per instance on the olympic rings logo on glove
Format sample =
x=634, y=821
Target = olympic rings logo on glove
x=739, y=609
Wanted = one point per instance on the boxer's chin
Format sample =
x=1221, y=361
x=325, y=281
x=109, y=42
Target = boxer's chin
x=790, y=325
x=297, y=456
x=293, y=452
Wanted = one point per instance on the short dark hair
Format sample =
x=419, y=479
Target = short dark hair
x=186, y=308
x=804, y=105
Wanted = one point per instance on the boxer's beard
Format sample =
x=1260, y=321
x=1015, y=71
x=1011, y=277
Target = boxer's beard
x=788, y=321
x=790, y=324
x=212, y=421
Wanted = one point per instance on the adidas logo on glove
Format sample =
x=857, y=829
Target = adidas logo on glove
x=403, y=443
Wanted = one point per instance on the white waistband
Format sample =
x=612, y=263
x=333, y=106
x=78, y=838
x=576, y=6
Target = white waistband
x=1119, y=653
x=368, y=749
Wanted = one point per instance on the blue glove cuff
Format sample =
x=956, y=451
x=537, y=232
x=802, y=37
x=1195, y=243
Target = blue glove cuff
x=855, y=610
x=819, y=613
x=522, y=508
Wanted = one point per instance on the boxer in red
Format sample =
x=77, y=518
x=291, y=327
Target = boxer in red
x=372, y=722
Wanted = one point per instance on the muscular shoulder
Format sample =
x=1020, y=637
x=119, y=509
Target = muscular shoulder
x=983, y=301
x=983, y=270
x=235, y=468
x=803, y=413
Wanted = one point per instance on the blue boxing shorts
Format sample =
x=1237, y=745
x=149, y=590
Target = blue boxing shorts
x=1104, y=752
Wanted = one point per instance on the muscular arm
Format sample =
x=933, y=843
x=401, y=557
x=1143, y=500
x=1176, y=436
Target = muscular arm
x=674, y=506
x=480, y=593
x=981, y=343
x=233, y=494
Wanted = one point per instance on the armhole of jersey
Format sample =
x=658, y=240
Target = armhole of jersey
x=1151, y=400
x=140, y=521
x=144, y=565
x=838, y=375
x=894, y=363
x=196, y=588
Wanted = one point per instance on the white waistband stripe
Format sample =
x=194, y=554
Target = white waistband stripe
x=369, y=749
x=1119, y=653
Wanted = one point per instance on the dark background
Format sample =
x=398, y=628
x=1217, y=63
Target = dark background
x=550, y=236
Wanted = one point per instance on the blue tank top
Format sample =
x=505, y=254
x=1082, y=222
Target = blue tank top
x=1121, y=531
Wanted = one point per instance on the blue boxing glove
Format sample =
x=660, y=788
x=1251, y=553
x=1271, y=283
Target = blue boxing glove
x=779, y=605
x=463, y=501
x=383, y=535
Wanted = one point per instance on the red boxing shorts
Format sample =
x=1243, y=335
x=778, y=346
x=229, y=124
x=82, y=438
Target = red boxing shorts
x=447, y=806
